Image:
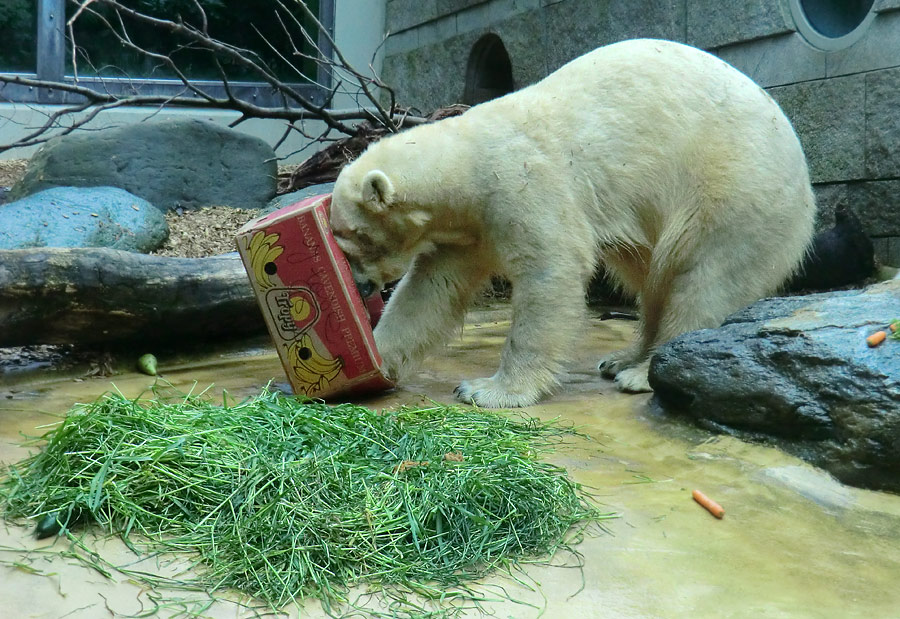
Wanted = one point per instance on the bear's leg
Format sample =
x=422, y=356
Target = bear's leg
x=631, y=374
x=629, y=367
x=428, y=305
x=628, y=266
x=695, y=292
x=548, y=310
x=633, y=379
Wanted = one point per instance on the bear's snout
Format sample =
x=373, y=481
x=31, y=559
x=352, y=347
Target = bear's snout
x=366, y=289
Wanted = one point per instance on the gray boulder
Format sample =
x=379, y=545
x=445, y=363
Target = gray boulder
x=182, y=162
x=287, y=199
x=797, y=372
x=82, y=217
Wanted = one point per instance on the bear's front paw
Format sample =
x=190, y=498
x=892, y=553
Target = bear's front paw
x=395, y=364
x=634, y=379
x=392, y=367
x=488, y=393
x=613, y=363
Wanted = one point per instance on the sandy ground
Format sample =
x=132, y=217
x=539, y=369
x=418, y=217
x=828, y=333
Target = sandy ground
x=204, y=232
x=11, y=170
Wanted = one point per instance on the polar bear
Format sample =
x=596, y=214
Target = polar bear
x=662, y=161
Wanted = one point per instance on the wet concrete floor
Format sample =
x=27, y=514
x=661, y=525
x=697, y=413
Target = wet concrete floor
x=793, y=542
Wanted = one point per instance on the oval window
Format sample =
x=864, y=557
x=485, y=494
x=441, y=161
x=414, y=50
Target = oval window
x=832, y=24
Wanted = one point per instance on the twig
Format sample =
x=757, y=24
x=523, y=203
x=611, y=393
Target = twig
x=294, y=107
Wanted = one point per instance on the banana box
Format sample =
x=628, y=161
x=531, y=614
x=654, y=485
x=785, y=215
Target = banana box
x=321, y=326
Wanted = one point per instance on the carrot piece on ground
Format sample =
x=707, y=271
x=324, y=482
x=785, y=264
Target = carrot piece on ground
x=711, y=506
x=893, y=326
x=876, y=338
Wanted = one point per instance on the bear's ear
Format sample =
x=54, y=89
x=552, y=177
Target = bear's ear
x=377, y=191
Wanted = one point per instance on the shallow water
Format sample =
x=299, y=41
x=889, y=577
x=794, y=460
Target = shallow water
x=793, y=542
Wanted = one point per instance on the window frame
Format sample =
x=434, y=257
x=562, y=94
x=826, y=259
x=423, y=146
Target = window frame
x=51, y=63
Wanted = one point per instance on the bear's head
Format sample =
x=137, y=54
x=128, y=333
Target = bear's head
x=378, y=233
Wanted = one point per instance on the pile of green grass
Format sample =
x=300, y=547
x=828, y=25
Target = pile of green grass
x=284, y=499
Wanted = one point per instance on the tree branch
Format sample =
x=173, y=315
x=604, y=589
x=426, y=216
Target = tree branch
x=294, y=107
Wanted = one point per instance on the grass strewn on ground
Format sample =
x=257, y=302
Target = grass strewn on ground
x=284, y=499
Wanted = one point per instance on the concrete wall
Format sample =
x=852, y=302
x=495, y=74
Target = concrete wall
x=845, y=104
x=359, y=32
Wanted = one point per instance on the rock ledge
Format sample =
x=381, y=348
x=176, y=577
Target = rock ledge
x=796, y=371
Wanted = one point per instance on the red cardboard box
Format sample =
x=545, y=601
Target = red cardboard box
x=316, y=317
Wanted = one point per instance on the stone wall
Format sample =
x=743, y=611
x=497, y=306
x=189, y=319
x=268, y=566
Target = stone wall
x=845, y=103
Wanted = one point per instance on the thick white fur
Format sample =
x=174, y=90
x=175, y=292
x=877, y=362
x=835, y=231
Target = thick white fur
x=670, y=166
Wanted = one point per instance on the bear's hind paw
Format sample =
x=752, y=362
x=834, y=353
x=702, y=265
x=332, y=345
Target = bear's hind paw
x=616, y=362
x=487, y=393
x=634, y=379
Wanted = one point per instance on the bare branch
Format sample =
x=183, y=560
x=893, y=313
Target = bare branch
x=204, y=28
x=85, y=100
x=363, y=80
x=239, y=56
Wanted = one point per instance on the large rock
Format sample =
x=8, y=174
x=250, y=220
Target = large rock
x=798, y=371
x=82, y=217
x=183, y=162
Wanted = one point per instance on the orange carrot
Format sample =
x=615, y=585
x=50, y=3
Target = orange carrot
x=711, y=506
x=893, y=326
x=876, y=338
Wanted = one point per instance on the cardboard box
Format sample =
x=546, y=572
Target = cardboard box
x=317, y=319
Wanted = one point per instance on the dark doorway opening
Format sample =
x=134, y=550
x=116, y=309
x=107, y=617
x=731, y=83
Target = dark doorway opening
x=489, y=72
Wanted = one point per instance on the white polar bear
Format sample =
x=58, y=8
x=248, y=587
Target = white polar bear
x=668, y=165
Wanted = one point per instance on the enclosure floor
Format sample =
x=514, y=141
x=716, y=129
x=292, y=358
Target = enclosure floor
x=793, y=542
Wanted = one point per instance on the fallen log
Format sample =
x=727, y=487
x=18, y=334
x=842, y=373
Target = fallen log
x=106, y=296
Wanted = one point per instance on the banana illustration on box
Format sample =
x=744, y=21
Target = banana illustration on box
x=263, y=252
x=308, y=301
x=313, y=370
x=294, y=313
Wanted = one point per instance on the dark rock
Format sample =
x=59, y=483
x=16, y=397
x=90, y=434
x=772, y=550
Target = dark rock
x=174, y=163
x=840, y=256
x=82, y=217
x=797, y=371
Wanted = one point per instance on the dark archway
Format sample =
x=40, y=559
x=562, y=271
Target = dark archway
x=489, y=71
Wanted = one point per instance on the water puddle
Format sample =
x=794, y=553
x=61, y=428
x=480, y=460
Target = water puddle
x=793, y=542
